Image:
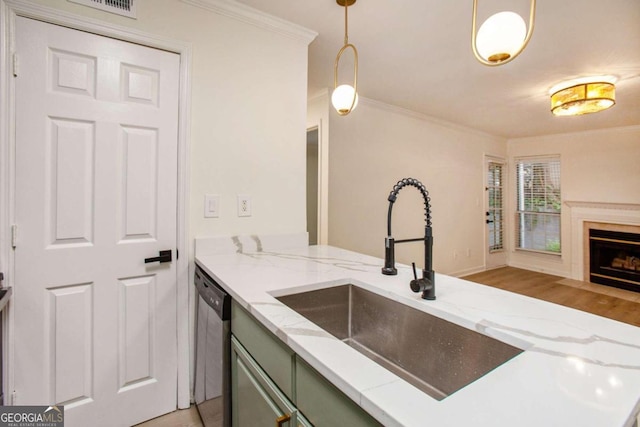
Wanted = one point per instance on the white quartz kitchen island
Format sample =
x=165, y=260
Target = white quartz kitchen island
x=577, y=369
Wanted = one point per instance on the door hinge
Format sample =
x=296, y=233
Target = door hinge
x=14, y=236
x=15, y=64
x=177, y=254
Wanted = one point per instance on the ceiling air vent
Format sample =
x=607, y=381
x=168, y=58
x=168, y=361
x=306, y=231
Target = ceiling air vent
x=120, y=7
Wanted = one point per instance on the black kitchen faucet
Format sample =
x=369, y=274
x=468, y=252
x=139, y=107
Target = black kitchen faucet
x=427, y=284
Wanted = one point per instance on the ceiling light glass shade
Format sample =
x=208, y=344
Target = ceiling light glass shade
x=343, y=99
x=583, y=99
x=501, y=36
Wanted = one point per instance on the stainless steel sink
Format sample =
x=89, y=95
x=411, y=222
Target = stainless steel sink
x=435, y=355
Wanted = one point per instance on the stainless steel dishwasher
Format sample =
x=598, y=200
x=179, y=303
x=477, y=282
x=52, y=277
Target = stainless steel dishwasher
x=212, y=385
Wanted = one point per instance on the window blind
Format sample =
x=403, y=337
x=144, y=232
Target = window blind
x=538, y=204
x=495, y=217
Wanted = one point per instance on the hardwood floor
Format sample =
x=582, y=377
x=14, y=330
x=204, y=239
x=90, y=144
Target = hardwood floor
x=180, y=418
x=617, y=304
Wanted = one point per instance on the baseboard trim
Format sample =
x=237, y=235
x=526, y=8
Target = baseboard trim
x=539, y=269
x=467, y=272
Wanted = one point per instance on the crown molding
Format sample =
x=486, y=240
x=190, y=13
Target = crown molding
x=626, y=128
x=427, y=118
x=407, y=113
x=241, y=12
x=322, y=93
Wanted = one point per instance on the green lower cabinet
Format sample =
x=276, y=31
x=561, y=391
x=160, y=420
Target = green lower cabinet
x=272, y=386
x=256, y=400
x=274, y=357
x=303, y=422
x=323, y=404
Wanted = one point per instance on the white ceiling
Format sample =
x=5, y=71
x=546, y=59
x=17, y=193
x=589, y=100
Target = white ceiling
x=416, y=54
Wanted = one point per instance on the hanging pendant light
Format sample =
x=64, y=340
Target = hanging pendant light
x=502, y=37
x=345, y=97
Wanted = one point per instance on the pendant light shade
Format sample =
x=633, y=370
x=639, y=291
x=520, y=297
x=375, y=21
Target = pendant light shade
x=345, y=97
x=583, y=98
x=502, y=37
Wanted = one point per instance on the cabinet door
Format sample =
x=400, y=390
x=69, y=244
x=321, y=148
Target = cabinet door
x=323, y=404
x=271, y=354
x=302, y=421
x=256, y=400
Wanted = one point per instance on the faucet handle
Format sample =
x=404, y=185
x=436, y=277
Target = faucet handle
x=417, y=285
x=425, y=285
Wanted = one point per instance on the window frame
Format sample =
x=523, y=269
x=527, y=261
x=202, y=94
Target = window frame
x=553, y=197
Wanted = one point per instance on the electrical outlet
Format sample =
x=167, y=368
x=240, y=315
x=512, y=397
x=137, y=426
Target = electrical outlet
x=211, y=205
x=244, y=205
x=455, y=254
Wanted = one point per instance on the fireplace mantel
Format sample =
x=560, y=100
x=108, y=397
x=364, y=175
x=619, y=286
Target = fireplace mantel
x=581, y=212
x=602, y=205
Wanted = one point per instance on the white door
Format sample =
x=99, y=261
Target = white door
x=96, y=181
x=496, y=255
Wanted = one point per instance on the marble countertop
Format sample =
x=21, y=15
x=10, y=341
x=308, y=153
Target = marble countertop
x=577, y=369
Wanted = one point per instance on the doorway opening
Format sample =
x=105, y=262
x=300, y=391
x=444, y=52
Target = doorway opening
x=312, y=185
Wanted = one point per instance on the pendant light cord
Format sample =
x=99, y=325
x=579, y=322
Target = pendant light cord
x=346, y=22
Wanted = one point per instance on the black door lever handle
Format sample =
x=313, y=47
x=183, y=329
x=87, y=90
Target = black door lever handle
x=164, y=256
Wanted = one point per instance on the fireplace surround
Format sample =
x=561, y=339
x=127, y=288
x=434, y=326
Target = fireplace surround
x=621, y=217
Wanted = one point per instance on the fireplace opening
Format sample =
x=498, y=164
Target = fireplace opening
x=614, y=259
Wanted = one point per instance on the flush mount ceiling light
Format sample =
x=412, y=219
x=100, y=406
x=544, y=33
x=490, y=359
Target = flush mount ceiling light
x=582, y=97
x=345, y=97
x=502, y=37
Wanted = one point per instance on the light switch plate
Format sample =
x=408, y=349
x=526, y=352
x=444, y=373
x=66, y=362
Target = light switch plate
x=211, y=205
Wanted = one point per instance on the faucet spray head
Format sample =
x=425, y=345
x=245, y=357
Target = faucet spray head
x=389, y=268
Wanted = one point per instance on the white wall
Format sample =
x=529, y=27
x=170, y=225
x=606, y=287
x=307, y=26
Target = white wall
x=248, y=114
x=600, y=166
x=377, y=145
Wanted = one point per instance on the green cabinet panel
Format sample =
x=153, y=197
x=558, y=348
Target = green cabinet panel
x=256, y=401
x=269, y=380
x=303, y=422
x=272, y=355
x=323, y=404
